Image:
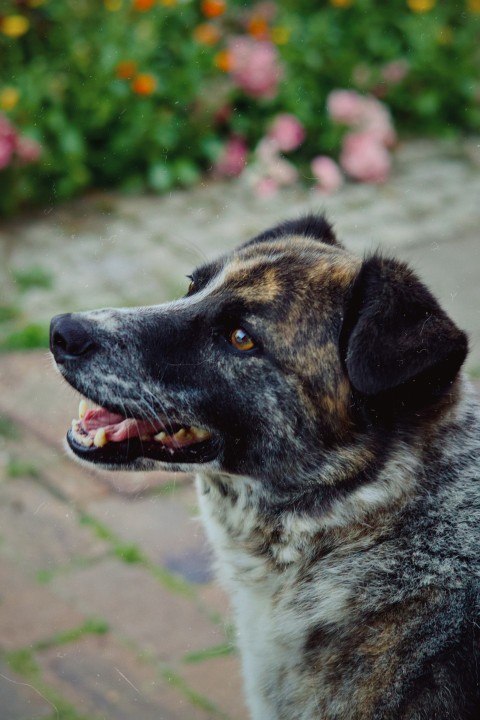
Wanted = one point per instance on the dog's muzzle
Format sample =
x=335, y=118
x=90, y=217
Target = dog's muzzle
x=103, y=435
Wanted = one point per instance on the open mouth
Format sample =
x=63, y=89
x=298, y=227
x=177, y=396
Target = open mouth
x=104, y=437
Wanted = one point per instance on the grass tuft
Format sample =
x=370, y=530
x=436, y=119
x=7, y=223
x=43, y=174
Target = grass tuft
x=33, y=277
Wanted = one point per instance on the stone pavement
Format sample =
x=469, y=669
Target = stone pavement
x=108, y=609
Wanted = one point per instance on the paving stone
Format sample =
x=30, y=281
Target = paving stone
x=163, y=528
x=162, y=622
x=215, y=601
x=39, y=532
x=30, y=612
x=20, y=701
x=64, y=477
x=220, y=680
x=42, y=401
x=105, y=679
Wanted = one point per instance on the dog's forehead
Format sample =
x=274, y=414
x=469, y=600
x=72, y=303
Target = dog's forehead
x=262, y=271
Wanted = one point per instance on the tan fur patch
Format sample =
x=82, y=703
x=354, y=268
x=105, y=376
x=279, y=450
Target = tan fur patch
x=263, y=289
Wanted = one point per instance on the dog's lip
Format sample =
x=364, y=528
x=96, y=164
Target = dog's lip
x=124, y=453
x=102, y=435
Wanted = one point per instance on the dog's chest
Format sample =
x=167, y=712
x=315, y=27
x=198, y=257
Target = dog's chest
x=276, y=607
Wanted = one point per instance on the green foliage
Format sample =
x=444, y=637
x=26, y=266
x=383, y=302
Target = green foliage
x=8, y=428
x=29, y=337
x=130, y=554
x=33, y=277
x=92, y=626
x=352, y=46
x=136, y=100
x=8, y=313
x=212, y=652
x=19, y=468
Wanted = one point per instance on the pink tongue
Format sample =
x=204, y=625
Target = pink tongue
x=117, y=428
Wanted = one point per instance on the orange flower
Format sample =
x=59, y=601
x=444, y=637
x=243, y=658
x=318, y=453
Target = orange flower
x=474, y=6
x=143, y=5
x=258, y=28
x=144, y=84
x=206, y=34
x=14, y=25
x=341, y=3
x=126, y=69
x=213, y=8
x=421, y=6
x=9, y=97
x=223, y=61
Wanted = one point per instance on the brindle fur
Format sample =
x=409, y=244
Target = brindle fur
x=344, y=503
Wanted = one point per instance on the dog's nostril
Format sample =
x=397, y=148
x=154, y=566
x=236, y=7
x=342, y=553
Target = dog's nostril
x=69, y=338
x=59, y=341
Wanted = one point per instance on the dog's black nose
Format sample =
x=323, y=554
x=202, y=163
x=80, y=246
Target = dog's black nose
x=70, y=339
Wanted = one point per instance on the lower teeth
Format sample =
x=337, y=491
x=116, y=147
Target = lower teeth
x=183, y=437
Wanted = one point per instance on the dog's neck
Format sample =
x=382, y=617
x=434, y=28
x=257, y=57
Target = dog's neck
x=355, y=500
x=247, y=517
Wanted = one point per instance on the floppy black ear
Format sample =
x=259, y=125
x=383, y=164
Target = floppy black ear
x=315, y=227
x=397, y=337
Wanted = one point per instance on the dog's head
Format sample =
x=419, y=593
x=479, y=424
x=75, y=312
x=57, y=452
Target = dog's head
x=280, y=351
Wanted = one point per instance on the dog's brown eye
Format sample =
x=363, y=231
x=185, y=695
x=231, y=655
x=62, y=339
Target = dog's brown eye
x=241, y=340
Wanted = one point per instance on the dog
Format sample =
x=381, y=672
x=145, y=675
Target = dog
x=319, y=398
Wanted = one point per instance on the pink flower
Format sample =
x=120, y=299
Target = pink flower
x=364, y=113
x=270, y=164
x=28, y=150
x=364, y=158
x=8, y=141
x=376, y=120
x=255, y=66
x=14, y=146
x=233, y=158
x=346, y=106
x=327, y=174
x=287, y=132
x=267, y=10
x=6, y=153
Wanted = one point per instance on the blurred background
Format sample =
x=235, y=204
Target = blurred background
x=137, y=139
x=152, y=94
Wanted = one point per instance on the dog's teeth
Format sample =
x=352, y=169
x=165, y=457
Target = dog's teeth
x=160, y=437
x=80, y=436
x=82, y=409
x=100, y=438
x=200, y=433
x=181, y=434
